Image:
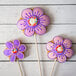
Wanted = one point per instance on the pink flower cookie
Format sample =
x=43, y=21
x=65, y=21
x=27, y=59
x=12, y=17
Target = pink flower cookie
x=14, y=50
x=59, y=49
x=33, y=21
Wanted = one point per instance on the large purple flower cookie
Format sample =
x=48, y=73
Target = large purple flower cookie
x=33, y=21
x=59, y=49
x=15, y=50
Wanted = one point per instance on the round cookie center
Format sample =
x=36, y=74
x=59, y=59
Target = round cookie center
x=14, y=50
x=32, y=21
x=59, y=49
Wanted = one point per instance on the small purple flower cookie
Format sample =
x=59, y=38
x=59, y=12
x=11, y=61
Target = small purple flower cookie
x=33, y=21
x=14, y=50
x=59, y=49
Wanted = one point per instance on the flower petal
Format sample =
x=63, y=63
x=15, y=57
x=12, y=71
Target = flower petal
x=37, y=11
x=51, y=55
x=67, y=43
x=20, y=55
x=29, y=31
x=26, y=13
x=16, y=43
x=12, y=57
x=44, y=20
x=58, y=40
x=9, y=45
x=61, y=58
x=7, y=52
x=40, y=29
x=21, y=24
x=22, y=48
x=68, y=53
x=50, y=46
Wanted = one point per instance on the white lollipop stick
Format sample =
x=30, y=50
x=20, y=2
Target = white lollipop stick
x=53, y=67
x=37, y=54
x=20, y=68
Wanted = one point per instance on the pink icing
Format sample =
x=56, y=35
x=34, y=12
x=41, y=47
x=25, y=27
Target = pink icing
x=58, y=40
x=61, y=58
x=33, y=18
x=40, y=29
x=37, y=11
x=67, y=43
x=68, y=52
x=44, y=20
x=50, y=46
x=21, y=24
x=52, y=55
x=60, y=48
x=29, y=31
x=26, y=13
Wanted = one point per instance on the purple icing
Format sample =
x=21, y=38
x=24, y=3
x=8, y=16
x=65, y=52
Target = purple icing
x=7, y=52
x=22, y=48
x=9, y=45
x=34, y=21
x=14, y=50
x=20, y=55
x=12, y=57
x=16, y=43
x=60, y=47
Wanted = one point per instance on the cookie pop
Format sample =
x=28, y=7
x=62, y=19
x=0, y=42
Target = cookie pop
x=33, y=21
x=59, y=49
x=15, y=51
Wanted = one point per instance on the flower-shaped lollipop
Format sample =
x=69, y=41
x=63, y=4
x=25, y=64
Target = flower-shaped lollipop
x=14, y=50
x=33, y=21
x=59, y=49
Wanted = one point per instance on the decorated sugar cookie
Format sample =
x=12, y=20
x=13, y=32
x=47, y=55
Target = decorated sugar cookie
x=33, y=21
x=14, y=50
x=60, y=49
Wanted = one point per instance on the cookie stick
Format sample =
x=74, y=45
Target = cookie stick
x=60, y=49
x=33, y=21
x=15, y=51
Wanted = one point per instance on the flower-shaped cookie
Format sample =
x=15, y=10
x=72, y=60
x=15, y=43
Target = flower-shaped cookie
x=59, y=49
x=14, y=50
x=33, y=21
